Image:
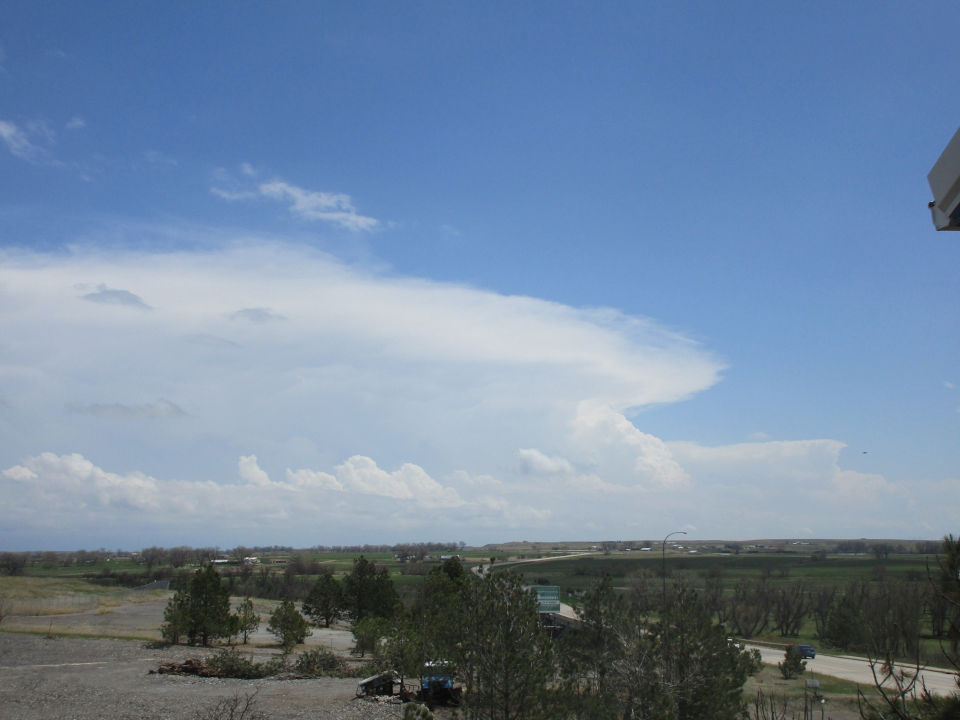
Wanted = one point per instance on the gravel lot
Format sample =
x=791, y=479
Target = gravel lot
x=76, y=678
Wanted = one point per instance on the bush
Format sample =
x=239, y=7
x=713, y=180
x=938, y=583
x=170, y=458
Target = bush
x=229, y=663
x=239, y=707
x=417, y=712
x=792, y=665
x=319, y=662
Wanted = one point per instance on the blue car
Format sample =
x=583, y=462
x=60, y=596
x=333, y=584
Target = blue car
x=807, y=651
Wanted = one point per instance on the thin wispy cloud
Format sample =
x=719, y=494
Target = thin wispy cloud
x=155, y=157
x=76, y=123
x=334, y=208
x=159, y=409
x=31, y=144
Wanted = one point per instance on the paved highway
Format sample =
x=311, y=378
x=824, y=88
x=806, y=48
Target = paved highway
x=939, y=682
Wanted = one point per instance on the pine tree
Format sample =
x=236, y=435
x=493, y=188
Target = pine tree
x=325, y=601
x=247, y=619
x=288, y=625
x=201, y=610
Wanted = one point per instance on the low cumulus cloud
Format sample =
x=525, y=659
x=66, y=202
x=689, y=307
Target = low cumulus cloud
x=50, y=488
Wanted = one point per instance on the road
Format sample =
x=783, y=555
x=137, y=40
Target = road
x=855, y=669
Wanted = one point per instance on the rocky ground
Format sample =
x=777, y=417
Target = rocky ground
x=51, y=674
x=59, y=678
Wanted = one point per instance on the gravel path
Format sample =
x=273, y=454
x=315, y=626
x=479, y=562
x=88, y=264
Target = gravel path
x=90, y=679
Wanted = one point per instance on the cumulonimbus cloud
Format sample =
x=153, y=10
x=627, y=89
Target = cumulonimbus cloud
x=482, y=410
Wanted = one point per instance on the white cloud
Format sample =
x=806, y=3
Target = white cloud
x=250, y=471
x=23, y=143
x=335, y=208
x=381, y=409
x=234, y=195
x=308, y=479
x=652, y=461
x=949, y=385
x=536, y=462
x=361, y=367
x=76, y=123
x=72, y=482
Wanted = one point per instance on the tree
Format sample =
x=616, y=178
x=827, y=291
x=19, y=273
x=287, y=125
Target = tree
x=13, y=563
x=325, y=601
x=178, y=556
x=438, y=611
x=201, y=610
x=749, y=608
x=176, y=617
x=152, y=556
x=821, y=603
x=505, y=657
x=896, y=689
x=288, y=625
x=793, y=664
x=626, y=666
x=593, y=654
x=700, y=673
x=845, y=627
x=247, y=619
x=368, y=632
x=402, y=648
x=368, y=590
x=790, y=607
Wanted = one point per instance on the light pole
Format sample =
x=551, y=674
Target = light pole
x=663, y=563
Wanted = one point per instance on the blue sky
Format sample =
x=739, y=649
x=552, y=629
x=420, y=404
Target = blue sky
x=377, y=272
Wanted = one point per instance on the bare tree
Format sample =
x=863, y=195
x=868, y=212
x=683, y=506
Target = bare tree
x=749, y=608
x=790, y=606
x=769, y=707
x=821, y=602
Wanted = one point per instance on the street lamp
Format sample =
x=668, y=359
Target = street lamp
x=663, y=563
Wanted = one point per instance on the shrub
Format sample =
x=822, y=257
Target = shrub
x=792, y=665
x=414, y=711
x=319, y=662
x=229, y=663
x=239, y=707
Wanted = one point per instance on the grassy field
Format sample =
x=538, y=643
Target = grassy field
x=61, y=595
x=840, y=695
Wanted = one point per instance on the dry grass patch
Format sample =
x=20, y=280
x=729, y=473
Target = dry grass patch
x=63, y=596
